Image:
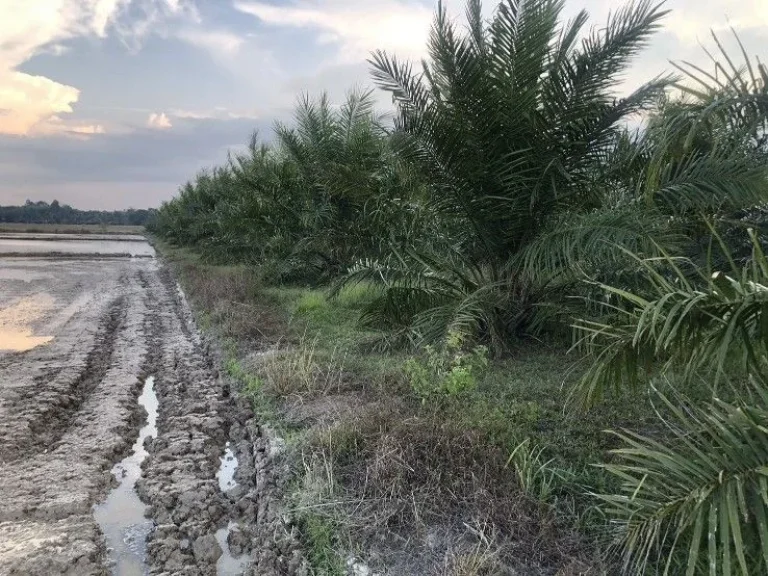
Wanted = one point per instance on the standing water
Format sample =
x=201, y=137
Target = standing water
x=228, y=565
x=121, y=516
x=227, y=469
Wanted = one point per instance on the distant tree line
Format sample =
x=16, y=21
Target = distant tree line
x=56, y=213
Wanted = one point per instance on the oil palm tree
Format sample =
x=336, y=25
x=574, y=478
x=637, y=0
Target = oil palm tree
x=517, y=125
x=512, y=122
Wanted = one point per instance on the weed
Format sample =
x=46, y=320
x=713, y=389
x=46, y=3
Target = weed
x=302, y=371
x=446, y=371
x=538, y=477
x=319, y=534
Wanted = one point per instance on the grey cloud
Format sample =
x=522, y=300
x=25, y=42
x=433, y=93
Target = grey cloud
x=35, y=167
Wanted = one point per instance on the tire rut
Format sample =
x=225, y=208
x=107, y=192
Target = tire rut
x=53, y=423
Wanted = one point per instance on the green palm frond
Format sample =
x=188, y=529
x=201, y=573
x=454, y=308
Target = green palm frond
x=697, y=503
x=576, y=246
x=682, y=322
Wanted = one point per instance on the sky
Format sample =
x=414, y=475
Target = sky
x=110, y=104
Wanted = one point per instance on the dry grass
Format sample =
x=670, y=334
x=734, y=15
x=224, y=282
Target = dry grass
x=302, y=372
x=424, y=486
x=480, y=560
x=232, y=299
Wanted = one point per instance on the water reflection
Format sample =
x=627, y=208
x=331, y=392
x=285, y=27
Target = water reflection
x=16, y=333
x=20, y=340
x=121, y=516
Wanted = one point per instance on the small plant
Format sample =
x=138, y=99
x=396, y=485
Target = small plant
x=446, y=371
x=537, y=476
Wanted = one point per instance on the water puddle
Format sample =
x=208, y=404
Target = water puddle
x=121, y=515
x=20, y=340
x=228, y=564
x=16, y=333
x=227, y=469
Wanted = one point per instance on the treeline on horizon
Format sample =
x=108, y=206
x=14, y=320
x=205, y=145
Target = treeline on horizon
x=55, y=213
x=510, y=201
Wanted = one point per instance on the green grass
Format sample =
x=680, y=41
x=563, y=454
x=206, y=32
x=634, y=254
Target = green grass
x=314, y=315
x=319, y=535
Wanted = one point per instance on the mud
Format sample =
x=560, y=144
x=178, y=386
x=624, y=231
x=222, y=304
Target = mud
x=69, y=412
x=121, y=517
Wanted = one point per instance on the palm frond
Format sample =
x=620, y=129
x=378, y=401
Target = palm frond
x=697, y=503
x=681, y=323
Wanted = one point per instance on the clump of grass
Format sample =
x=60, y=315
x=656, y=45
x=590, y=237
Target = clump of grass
x=312, y=303
x=480, y=560
x=537, y=476
x=357, y=296
x=319, y=536
x=302, y=371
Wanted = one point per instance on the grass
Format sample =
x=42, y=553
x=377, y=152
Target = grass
x=69, y=228
x=464, y=484
x=320, y=538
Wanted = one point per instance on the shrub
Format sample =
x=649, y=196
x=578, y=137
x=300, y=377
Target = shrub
x=446, y=371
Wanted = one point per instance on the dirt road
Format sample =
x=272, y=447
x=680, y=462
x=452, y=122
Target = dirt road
x=77, y=340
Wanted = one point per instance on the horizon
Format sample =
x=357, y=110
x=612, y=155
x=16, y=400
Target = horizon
x=111, y=104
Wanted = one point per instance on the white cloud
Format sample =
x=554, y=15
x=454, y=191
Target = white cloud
x=691, y=21
x=159, y=121
x=30, y=104
x=215, y=114
x=356, y=27
x=28, y=101
x=219, y=43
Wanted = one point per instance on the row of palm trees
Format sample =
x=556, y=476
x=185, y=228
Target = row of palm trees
x=510, y=198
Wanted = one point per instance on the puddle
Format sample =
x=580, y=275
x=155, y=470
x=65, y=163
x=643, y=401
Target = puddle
x=227, y=469
x=228, y=564
x=121, y=516
x=20, y=340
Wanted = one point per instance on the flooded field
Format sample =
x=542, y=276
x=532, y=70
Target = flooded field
x=112, y=420
x=69, y=244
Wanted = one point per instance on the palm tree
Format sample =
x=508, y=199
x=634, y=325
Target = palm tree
x=534, y=174
x=697, y=503
x=513, y=122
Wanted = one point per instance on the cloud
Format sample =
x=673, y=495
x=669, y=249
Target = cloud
x=28, y=101
x=215, y=114
x=32, y=104
x=691, y=21
x=355, y=27
x=139, y=169
x=27, y=28
x=159, y=121
x=219, y=43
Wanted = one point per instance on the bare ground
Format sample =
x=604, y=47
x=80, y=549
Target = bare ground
x=68, y=412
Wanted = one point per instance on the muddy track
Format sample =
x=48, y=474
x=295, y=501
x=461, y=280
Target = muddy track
x=51, y=425
x=69, y=412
